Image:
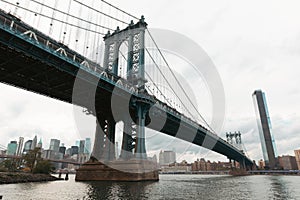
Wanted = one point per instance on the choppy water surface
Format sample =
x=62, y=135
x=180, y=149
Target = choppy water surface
x=168, y=187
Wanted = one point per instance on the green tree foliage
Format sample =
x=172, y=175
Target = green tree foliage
x=36, y=164
x=10, y=164
x=43, y=167
x=32, y=158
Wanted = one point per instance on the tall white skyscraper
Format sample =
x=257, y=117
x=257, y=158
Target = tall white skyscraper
x=87, y=146
x=34, y=143
x=20, y=146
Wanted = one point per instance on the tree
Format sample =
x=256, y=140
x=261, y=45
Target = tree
x=11, y=164
x=43, y=167
x=32, y=158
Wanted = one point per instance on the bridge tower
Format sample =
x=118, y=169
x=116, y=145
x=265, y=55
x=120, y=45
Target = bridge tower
x=132, y=165
x=134, y=129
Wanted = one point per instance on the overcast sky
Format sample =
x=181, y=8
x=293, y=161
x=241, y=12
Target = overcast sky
x=253, y=44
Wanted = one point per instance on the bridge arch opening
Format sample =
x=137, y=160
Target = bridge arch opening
x=123, y=59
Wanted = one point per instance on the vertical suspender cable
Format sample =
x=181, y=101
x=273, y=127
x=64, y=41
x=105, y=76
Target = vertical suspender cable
x=52, y=18
x=39, y=16
x=66, y=26
x=77, y=29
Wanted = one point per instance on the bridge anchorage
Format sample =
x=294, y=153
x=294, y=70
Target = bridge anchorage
x=133, y=164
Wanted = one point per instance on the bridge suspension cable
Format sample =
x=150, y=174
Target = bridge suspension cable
x=77, y=25
x=58, y=20
x=101, y=12
x=120, y=10
x=167, y=81
x=148, y=76
x=69, y=15
x=177, y=81
x=87, y=42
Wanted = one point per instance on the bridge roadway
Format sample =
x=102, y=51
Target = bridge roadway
x=33, y=61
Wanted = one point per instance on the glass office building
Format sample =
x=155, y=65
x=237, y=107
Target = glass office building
x=265, y=129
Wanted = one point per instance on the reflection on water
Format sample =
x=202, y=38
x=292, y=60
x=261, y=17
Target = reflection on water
x=279, y=188
x=118, y=190
x=168, y=187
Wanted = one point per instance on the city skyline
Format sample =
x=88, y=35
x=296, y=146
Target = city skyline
x=53, y=144
x=256, y=60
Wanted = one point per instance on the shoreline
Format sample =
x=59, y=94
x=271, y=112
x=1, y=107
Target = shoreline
x=22, y=177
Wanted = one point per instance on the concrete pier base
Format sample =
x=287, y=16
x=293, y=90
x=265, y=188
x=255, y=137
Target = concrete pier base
x=118, y=170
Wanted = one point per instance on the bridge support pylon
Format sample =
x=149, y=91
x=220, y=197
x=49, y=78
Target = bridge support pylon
x=133, y=164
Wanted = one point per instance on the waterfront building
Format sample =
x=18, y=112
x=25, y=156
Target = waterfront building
x=54, y=145
x=287, y=162
x=167, y=157
x=12, y=148
x=297, y=156
x=20, y=146
x=27, y=146
x=261, y=164
x=202, y=165
x=265, y=130
x=182, y=167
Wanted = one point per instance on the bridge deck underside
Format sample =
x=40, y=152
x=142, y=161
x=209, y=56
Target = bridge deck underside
x=21, y=70
x=26, y=66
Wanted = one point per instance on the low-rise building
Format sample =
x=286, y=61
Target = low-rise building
x=287, y=162
x=297, y=156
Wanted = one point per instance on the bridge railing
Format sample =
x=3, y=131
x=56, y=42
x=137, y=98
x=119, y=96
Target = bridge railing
x=20, y=29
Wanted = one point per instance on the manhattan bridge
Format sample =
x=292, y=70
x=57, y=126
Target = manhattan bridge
x=102, y=58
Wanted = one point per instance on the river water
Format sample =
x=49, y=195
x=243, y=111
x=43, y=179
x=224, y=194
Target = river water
x=168, y=187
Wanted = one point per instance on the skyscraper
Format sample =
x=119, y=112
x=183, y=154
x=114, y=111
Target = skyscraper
x=81, y=146
x=62, y=149
x=264, y=127
x=87, y=146
x=40, y=144
x=54, y=145
x=34, y=143
x=12, y=148
x=20, y=146
x=74, y=150
x=27, y=146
